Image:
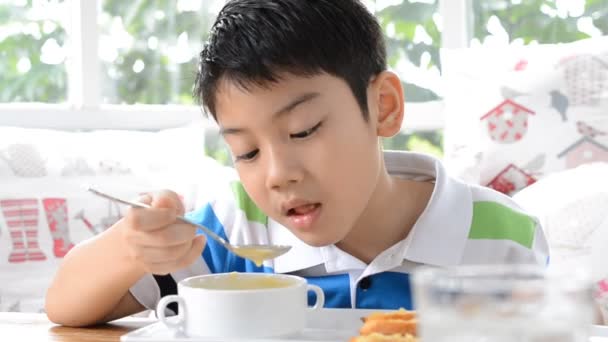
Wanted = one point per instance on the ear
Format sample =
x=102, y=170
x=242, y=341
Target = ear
x=390, y=103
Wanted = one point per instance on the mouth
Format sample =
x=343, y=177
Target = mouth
x=303, y=216
x=303, y=209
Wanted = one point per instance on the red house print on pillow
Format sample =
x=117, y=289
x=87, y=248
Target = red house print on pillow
x=583, y=151
x=510, y=180
x=508, y=122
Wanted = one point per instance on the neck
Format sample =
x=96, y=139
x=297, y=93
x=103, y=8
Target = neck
x=391, y=213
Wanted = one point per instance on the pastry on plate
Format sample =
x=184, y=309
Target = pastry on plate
x=396, y=326
x=376, y=337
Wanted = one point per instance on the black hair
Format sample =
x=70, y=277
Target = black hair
x=252, y=41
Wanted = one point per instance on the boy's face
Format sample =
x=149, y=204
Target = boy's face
x=303, y=152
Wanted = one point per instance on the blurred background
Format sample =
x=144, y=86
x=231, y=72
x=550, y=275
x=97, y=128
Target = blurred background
x=142, y=53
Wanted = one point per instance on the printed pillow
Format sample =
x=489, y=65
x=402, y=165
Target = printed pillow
x=45, y=210
x=516, y=114
x=574, y=218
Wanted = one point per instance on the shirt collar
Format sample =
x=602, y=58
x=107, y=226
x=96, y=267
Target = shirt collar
x=437, y=238
x=441, y=232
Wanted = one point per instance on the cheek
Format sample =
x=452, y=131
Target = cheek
x=352, y=149
x=254, y=185
x=352, y=165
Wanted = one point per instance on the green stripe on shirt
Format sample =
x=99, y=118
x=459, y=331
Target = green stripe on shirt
x=244, y=202
x=495, y=221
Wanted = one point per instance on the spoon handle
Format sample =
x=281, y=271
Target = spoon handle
x=181, y=218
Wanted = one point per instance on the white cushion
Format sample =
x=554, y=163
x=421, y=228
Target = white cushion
x=571, y=206
x=50, y=168
x=517, y=114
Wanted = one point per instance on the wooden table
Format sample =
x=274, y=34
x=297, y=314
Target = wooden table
x=37, y=327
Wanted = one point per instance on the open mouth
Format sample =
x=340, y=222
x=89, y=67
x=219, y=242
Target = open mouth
x=303, y=209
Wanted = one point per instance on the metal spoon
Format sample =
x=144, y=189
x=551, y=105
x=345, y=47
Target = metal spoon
x=256, y=253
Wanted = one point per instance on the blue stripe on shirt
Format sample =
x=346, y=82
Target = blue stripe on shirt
x=336, y=289
x=386, y=290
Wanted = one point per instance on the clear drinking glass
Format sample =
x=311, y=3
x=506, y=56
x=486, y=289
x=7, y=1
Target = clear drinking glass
x=496, y=303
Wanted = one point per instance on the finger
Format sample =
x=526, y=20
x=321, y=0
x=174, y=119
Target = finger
x=193, y=254
x=160, y=255
x=150, y=219
x=198, y=246
x=172, y=235
x=167, y=199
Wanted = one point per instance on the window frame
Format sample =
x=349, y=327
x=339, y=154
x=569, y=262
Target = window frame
x=83, y=109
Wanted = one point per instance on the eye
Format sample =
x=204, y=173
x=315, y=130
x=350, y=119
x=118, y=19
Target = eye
x=247, y=156
x=306, y=133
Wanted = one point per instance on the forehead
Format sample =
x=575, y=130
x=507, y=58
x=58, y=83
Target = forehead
x=234, y=98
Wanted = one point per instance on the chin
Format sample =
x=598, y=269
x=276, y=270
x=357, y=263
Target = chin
x=317, y=241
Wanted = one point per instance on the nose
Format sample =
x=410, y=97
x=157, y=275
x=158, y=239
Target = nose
x=283, y=169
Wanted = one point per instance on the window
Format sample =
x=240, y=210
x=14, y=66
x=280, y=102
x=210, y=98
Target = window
x=499, y=22
x=148, y=50
x=33, y=50
x=131, y=64
x=413, y=39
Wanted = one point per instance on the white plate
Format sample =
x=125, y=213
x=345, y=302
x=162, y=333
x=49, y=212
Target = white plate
x=325, y=325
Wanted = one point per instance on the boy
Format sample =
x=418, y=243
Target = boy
x=301, y=93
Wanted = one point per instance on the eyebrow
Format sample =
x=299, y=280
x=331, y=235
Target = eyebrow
x=307, y=97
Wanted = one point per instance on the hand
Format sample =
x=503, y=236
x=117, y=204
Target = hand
x=155, y=240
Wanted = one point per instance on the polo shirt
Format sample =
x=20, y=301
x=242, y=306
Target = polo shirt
x=461, y=224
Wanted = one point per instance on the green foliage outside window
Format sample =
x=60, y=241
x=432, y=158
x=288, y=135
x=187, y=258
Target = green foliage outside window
x=412, y=36
x=541, y=20
x=148, y=49
x=405, y=26
x=32, y=57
